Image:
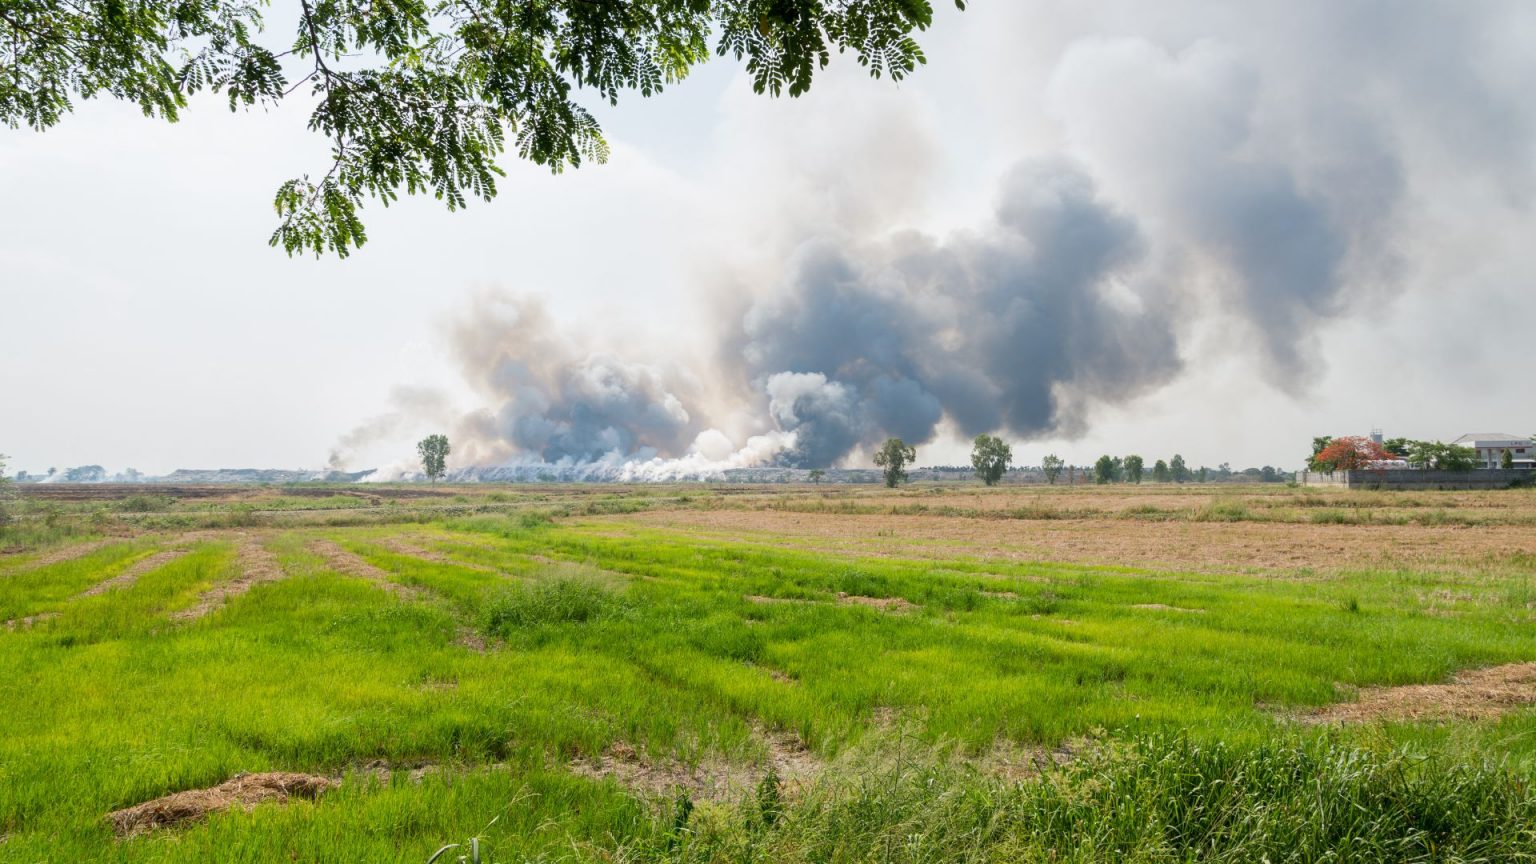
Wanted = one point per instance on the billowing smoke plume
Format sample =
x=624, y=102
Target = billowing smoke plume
x=1016, y=328
x=553, y=398
x=1262, y=181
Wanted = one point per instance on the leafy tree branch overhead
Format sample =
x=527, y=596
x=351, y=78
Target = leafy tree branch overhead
x=425, y=95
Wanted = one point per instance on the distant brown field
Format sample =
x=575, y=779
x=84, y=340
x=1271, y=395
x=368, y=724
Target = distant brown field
x=1203, y=546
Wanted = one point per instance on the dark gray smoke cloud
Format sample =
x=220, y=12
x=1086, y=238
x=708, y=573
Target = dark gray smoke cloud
x=552, y=397
x=1016, y=328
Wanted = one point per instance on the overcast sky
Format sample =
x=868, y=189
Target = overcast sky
x=1231, y=227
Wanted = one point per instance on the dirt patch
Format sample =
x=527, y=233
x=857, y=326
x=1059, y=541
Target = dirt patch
x=795, y=763
x=410, y=550
x=29, y=620
x=1019, y=762
x=781, y=676
x=1477, y=694
x=768, y=601
x=243, y=790
x=343, y=561
x=1164, y=607
x=884, y=604
x=134, y=571
x=59, y=556
x=416, y=772
x=470, y=638
x=1000, y=595
x=254, y=565
x=710, y=780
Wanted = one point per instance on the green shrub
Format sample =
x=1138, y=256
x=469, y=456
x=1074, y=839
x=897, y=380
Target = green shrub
x=145, y=503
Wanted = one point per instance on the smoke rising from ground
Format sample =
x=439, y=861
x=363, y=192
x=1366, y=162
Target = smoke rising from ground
x=1258, y=169
x=1018, y=327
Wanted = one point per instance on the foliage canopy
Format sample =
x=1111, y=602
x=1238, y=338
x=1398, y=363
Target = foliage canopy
x=424, y=95
x=991, y=456
x=1051, y=465
x=1441, y=456
x=433, y=451
x=1350, y=453
x=894, y=456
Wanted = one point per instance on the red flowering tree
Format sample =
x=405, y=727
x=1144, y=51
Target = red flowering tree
x=1351, y=453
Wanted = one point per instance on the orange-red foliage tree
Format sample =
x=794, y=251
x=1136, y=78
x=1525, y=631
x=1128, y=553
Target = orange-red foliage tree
x=1351, y=453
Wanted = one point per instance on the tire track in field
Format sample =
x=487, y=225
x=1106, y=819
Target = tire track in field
x=134, y=571
x=124, y=579
x=410, y=550
x=349, y=563
x=29, y=620
x=59, y=556
x=255, y=565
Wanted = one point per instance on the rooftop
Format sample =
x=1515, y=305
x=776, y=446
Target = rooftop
x=1473, y=437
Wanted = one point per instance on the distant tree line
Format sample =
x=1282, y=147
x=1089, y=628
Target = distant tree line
x=1132, y=469
x=991, y=459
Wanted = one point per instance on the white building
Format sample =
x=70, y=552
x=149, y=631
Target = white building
x=1490, y=447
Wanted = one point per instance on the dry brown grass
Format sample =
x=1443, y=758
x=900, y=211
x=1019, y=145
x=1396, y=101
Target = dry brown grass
x=1185, y=546
x=254, y=564
x=343, y=561
x=411, y=550
x=243, y=790
x=1476, y=694
x=710, y=780
x=884, y=604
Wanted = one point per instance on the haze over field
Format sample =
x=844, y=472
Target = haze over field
x=1194, y=227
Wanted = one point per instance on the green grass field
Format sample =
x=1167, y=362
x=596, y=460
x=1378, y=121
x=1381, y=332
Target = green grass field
x=527, y=681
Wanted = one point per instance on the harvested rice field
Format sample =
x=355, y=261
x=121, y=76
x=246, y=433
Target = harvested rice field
x=796, y=673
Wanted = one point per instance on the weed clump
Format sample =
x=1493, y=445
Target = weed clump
x=145, y=503
x=567, y=598
x=1224, y=511
x=1191, y=801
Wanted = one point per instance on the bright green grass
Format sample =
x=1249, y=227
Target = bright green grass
x=605, y=633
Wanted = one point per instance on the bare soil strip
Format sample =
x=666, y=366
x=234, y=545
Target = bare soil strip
x=884, y=604
x=1019, y=762
x=59, y=556
x=134, y=571
x=29, y=620
x=343, y=561
x=768, y=601
x=1164, y=607
x=350, y=564
x=243, y=790
x=255, y=565
x=401, y=547
x=1476, y=694
x=710, y=780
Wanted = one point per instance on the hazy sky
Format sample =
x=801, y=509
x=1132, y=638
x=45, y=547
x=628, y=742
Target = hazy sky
x=1204, y=227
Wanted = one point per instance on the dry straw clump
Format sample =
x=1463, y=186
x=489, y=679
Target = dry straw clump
x=242, y=790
